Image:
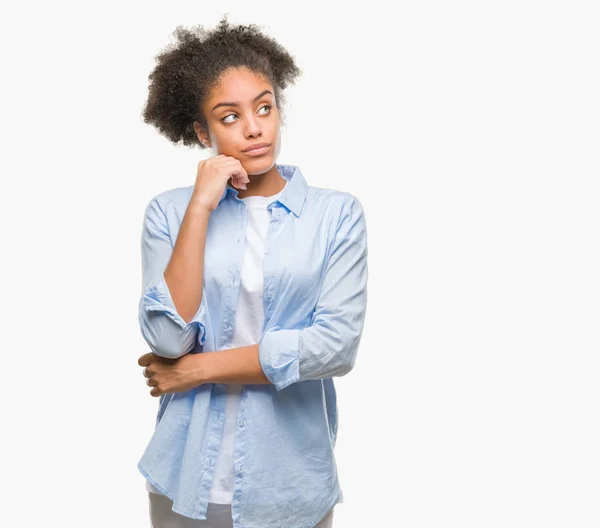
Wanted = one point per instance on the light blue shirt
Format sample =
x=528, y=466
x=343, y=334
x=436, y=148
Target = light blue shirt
x=315, y=295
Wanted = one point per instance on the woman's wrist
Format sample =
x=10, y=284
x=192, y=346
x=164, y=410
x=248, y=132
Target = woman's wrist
x=200, y=370
x=197, y=205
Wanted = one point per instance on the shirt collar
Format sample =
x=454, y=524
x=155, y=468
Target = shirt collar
x=294, y=193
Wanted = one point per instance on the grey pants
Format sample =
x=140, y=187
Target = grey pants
x=217, y=515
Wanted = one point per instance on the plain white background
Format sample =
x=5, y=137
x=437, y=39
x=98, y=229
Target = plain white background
x=468, y=130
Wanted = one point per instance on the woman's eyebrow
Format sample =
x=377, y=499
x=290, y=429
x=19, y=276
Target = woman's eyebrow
x=228, y=103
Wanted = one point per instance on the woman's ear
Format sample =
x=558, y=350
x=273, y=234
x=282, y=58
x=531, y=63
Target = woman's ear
x=202, y=135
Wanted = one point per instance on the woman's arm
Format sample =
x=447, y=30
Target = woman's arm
x=185, y=270
x=173, y=309
x=329, y=345
x=326, y=348
x=234, y=365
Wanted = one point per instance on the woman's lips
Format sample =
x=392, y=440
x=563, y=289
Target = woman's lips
x=258, y=151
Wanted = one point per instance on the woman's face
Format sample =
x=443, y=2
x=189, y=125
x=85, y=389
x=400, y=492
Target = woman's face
x=241, y=112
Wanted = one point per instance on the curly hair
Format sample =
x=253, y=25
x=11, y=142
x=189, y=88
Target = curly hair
x=187, y=71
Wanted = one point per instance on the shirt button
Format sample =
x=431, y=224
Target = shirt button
x=268, y=295
x=241, y=422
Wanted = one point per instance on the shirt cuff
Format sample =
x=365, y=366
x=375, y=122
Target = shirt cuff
x=158, y=298
x=278, y=353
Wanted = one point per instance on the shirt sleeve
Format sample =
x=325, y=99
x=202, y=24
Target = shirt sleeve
x=328, y=347
x=165, y=331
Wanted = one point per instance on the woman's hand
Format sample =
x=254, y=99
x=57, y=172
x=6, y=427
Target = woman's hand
x=168, y=375
x=212, y=177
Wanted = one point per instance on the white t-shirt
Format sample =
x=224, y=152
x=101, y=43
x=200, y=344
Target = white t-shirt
x=249, y=319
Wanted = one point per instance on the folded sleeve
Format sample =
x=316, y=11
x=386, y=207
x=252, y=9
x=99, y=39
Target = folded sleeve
x=165, y=331
x=328, y=347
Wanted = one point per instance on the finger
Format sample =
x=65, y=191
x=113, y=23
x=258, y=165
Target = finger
x=145, y=359
x=155, y=392
x=241, y=179
x=151, y=382
x=147, y=372
x=240, y=173
x=234, y=163
x=238, y=183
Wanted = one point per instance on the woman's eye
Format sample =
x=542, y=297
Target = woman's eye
x=234, y=115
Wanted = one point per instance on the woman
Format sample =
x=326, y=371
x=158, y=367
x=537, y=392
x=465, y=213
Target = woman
x=254, y=297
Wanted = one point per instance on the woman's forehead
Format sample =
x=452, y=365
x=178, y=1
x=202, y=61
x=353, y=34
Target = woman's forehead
x=239, y=86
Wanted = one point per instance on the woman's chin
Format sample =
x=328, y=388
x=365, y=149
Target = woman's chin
x=258, y=165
